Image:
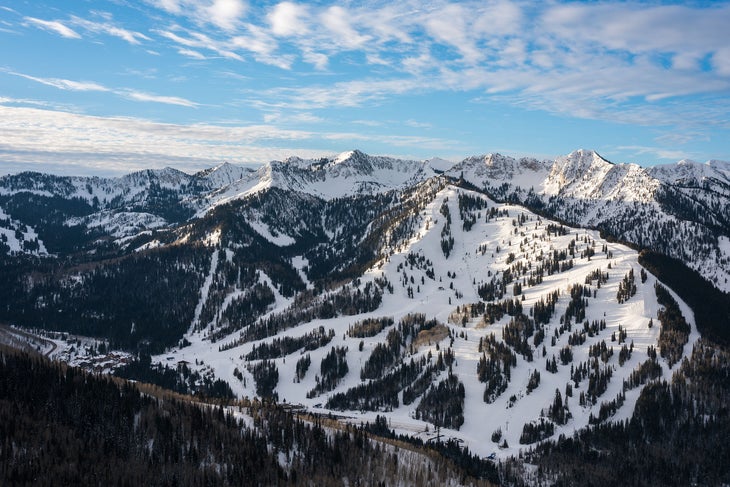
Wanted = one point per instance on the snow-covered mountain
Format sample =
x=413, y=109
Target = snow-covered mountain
x=681, y=209
x=489, y=298
x=498, y=302
x=582, y=175
x=348, y=174
x=487, y=301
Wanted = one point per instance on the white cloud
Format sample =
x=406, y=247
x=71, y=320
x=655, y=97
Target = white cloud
x=172, y=6
x=658, y=152
x=317, y=59
x=450, y=26
x=369, y=123
x=345, y=94
x=191, y=53
x=107, y=28
x=263, y=46
x=642, y=63
x=686, y=61
x=337, y=20
x=201, y=41
x=54, y=26
x=417, y=124
x=721, y=61
x=64, y=84
x=681, y=138
x=168, y=100
x=226, y=14
x=83, y=144
x=299, y=118
x=499, y=18
x=640, y=28
x=288, y=19
x=60, y=141
x=69, y=85
x=390, y=22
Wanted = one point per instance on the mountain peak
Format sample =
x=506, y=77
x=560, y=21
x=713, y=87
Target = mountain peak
x=439, y=165
x=347, y=155
x=585, y=156
x=223, y=174
x=579, y=164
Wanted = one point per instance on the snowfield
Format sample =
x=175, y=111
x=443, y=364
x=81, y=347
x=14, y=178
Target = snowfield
x=512, y=236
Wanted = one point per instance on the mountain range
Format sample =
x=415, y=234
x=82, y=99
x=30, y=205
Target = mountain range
x=504, y=303
x=680, y=209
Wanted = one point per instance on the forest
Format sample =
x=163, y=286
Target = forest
x=74, y=428
x=677, y=434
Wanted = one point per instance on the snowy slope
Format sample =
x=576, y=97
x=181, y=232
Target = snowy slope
x=223, y=174
x=425, y=281
x=299, y=246
x=17, y=237
x=653, y=207
x=350, y=173
x=690, y=173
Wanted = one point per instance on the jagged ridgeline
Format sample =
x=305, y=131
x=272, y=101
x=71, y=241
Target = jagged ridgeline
x=492, y=303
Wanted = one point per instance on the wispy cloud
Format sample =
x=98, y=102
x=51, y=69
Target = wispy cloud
x=191, y=53
x=337, y=20
x=108, y=28
x=287, y=19
x=64, y=84
x=681, y=138
x=344, y=94
x=297, y=118
x=197, y=40
x=664, y=65
x=224, y=14
x=657, y=152
x=54, y=26
x=112, y=145
x=148, y=97
x=562, y=63
x=70, y=85
x=550, y=57
x=123, y=144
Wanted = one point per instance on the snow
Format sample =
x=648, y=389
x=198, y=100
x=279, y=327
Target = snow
x=595, y=191
x=213, y=238
x=120, y=224
x=16, y=234
x=75, y=350
x=350, y=173
x=724, y=249
x=439, y=165
x=470, y=268
x=343, y=157
x=582, y=175
x=152, y=244
x=224, y=174
x=205, y=290
x=299, y=263
x=279, y=239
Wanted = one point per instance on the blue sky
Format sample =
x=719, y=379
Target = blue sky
x=107, y=87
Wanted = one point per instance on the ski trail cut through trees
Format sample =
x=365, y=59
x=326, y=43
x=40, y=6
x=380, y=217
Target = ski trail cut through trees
x=204, y=290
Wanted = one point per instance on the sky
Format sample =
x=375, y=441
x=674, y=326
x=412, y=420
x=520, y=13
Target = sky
x=104, y=87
